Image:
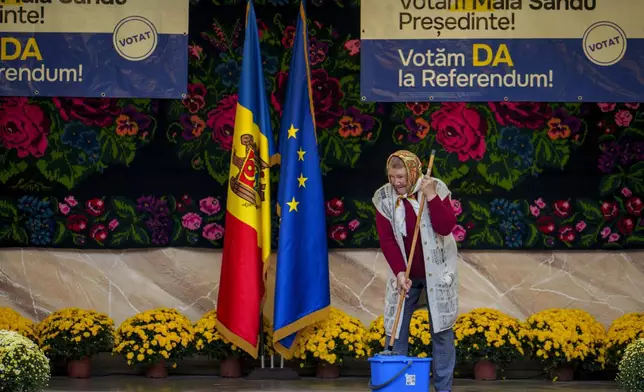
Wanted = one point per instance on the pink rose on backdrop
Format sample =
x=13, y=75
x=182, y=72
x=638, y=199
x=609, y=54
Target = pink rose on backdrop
x=580, y=226
x=459, y=233
x=222, y=121
x=607, y=106
x=623, y=118
x=213, y=232
x=113, y=224
x=195, y=51
x=535, y=211
x=613, y=237
x=457, y=207
x=461, y=130
x=99, y=112
x=633, y=106
x=353, y=46
x=71, y=200
x=540, y=203
x=64, y=208
x=209, y=206
x=191, y=221
x=23, y=127
x=354, y=224
x=531, y=115
x=605, y=232
x=626, y=192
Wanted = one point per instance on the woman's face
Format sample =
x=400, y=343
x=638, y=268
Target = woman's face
x=398, y=178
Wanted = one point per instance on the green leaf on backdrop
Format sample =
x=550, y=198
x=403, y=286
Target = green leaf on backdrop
x=551, y=153
x=590, y=210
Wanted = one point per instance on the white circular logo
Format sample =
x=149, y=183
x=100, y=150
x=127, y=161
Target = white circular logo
x=135, y=38
x=604, y=43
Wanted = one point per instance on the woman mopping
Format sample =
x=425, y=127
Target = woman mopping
x=434, y=266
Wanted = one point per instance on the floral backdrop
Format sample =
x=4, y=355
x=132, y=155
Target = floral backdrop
x=108, y=173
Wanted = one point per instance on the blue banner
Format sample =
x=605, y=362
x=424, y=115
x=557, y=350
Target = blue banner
x=502, y=50
x=120, y=49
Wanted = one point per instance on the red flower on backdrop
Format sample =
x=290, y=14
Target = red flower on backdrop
x=99, y=112
x=23, y=127
x=626, y=225
x=77, y=223
x=99, y=233
x=461, y=130
x=195, y=100
x=562, y=208
x=531, y=115
x=609, y=210
x=418, y=108
x=567, y=234
x=634, y=206
x=335, y=207
x=338, y=232
x=222, y=121
x=288, y=38
x=326, y=96
x=95, y=207
x=546, y=224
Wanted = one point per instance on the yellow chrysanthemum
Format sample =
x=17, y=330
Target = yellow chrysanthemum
x=339, y=336
x=566, y=336
x=10, y=320
x=75, y=333
x=154, y=335
x=486, y=333
x=622, y=332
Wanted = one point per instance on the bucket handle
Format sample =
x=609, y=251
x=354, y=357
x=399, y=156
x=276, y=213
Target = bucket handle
x=384, y=384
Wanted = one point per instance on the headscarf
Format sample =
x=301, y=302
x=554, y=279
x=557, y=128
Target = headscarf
x=413, y=166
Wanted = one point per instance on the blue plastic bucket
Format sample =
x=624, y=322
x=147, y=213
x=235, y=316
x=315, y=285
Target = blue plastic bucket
x=393, y=373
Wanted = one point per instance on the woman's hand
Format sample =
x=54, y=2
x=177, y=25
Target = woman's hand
x=403, y=282
x=428, y=186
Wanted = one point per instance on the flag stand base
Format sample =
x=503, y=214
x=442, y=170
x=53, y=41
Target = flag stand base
x=272, y=372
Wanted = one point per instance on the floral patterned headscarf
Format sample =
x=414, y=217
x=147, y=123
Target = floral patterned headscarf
x=413, y=165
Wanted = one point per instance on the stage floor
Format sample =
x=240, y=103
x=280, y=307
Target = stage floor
x=209, y=384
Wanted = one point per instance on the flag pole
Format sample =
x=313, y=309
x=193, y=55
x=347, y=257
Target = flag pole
x=262, y=353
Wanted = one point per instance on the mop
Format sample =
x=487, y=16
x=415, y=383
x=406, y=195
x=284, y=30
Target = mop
x=390, y=346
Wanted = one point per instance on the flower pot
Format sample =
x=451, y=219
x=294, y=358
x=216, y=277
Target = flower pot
x=231, y=367
x=484, y=370
x=79, y=368
x=563, y=372
x=327, y=370
x=157, y=370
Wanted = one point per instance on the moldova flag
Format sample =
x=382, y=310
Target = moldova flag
x=247, y=242
x=302, y=295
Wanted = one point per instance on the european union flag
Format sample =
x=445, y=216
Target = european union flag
x=302, y=295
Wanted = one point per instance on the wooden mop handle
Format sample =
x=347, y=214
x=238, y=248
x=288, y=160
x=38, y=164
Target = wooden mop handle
x=411, y=255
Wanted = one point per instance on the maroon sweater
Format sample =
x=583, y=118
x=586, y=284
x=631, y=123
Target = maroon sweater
x=443, y=222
